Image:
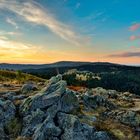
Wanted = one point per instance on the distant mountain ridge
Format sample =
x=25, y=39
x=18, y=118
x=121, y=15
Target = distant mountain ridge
x=52, y=65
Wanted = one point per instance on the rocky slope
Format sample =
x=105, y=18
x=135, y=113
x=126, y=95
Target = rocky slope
x=52, y=111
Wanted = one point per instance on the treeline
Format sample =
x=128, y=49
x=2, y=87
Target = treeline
x=121, y=81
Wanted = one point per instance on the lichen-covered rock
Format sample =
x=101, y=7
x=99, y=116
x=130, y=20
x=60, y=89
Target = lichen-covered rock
x=94, y=101
x=31, y=121
x=49, y=115
x=47, y=130
x=69, y=102
x=12, y=96
x=100, y=135
x=130, y=118
x=52, y=111
x=73, y=128
x=35, y=109
x=45, y=99
x=7, y=111
x=27, y=88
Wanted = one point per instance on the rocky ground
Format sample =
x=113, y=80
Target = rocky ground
x=53, y=111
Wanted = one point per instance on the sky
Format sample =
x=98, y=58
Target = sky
x=46, y=31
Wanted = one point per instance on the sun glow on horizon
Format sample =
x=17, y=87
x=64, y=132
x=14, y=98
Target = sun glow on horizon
x=44, y=34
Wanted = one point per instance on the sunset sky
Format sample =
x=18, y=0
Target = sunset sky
x=45, y=31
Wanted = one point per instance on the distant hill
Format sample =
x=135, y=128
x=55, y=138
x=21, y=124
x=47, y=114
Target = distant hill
x=62, y=67
x=39, y=66
x=113, y=76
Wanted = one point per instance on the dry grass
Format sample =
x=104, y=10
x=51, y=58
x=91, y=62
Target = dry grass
x=17, y=77
x=23, y=138
x=120, y=131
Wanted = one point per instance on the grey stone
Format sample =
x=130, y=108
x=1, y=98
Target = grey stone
x=69, y=102
x=27, y=88
x=44, y=100
x=7, y=111
x=73, y=128
x=101, y=135
x=94, y=101
x=130, y=118
x=31, y=121
x=47, y=130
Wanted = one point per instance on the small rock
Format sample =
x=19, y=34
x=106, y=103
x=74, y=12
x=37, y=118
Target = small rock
x=27, y=88
x=101, y=135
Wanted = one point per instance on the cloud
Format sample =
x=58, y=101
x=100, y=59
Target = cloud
x=126, y=54
x=3, y=33
x=78, y=5
x=134, y=27
x=34, y=13
x=10, y=50
x=133, y=37
x=5, y=43
x=96, y=16
x=12, y=22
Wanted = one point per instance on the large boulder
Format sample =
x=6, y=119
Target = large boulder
x=54, y=98
x=27, y=88
x=49, y=115
x=31, y=121
x=53, y=94
x=7, y=113
x=73, y=128
x=47, y=130
x=94, y=101
x=44, y=99
x=69, y=102
x=97, y=100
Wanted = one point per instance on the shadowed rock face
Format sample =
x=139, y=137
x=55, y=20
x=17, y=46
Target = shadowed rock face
x=7, y=113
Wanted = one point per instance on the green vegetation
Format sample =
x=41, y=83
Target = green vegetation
x=106, y=75
x=125, y=81
x=17, y=76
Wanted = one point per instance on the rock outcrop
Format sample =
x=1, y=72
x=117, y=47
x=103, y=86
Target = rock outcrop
x=96, y=100
x=51, y=114
x=58, y=113
x=27, y=88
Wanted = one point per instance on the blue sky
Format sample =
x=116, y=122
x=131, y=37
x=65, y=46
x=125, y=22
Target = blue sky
x=44, y=31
